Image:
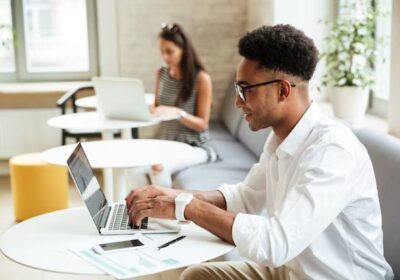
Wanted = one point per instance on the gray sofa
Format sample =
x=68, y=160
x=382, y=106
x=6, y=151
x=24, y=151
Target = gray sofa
x=240, y=148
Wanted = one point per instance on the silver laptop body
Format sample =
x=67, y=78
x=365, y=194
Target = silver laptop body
x=108, y=218
x=123, y=99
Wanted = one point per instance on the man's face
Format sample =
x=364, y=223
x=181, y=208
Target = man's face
x=262, y=108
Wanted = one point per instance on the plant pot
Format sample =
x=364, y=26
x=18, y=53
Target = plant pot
x=349, y=103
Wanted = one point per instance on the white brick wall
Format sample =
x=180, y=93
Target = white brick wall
x=213, y=25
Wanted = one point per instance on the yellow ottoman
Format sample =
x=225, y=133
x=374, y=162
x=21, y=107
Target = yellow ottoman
x=37, y=187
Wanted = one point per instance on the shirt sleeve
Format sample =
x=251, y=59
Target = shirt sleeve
x=247, y=196
x=319, y=193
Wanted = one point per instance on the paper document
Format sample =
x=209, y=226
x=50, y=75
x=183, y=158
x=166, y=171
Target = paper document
x=132, y=263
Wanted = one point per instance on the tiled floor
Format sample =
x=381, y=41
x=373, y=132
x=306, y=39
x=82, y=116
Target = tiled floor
x=10, y=270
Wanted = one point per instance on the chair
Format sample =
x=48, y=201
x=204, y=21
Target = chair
x=70, y=97
x=37, y=187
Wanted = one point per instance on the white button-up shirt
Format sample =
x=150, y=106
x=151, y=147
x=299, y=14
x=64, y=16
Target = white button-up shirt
x=311, y=203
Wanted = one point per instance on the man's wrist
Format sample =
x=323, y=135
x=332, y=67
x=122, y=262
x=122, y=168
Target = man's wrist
x=190, y=209
x=181, y=201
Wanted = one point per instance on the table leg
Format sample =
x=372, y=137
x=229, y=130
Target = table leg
x=107, y=172
x=120, y=185
x=126, y=133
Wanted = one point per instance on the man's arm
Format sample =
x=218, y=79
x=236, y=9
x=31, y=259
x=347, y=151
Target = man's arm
x=207, y=209
x=213, y=197
x=211, y=216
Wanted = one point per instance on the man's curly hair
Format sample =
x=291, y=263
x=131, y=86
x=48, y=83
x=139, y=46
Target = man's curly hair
x=281, y=48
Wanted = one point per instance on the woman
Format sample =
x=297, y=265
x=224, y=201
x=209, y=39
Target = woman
x=183, y=87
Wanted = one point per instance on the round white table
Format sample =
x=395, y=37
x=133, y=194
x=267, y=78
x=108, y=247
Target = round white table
x=92, y=121
x=42, y=242
x=90, y=102
x=117, y=155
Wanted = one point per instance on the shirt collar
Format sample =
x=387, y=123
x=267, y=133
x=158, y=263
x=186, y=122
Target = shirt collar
x=298, y=134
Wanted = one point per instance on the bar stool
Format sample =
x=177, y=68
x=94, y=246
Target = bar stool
x=37, y=187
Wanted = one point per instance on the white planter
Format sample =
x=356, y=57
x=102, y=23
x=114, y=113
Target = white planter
x=349, y=103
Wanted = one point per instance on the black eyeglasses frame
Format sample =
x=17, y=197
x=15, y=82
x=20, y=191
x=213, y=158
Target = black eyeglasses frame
x=241, y=90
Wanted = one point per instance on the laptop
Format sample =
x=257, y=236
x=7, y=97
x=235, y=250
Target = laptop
x=124, y=99
x=108, y=218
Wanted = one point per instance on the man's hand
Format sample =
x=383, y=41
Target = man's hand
x=162, y=207
x=151, y=201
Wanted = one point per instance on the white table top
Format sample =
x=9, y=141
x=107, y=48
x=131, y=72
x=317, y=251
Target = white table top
x=122, y=153
x=42, y=242
x=93, y=122
x=90, y=102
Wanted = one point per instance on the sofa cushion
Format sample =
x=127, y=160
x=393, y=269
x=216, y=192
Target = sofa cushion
x=206, y=177
x=234, y=155
x=384, y=151
x=218, y=131
x=229, y=114
x=253, y=140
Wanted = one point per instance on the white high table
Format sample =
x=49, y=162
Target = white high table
x=90, y=102
x=92, y=121
x=42, y=242
x=120, y=155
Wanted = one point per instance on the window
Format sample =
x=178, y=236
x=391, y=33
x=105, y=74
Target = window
x=381, y=92
x=7, y=59
x=54, y=40
x=381, y=89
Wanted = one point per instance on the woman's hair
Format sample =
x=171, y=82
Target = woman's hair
x=190, y=62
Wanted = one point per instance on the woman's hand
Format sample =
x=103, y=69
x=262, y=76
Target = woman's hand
x=163, y=110
x=152, y=108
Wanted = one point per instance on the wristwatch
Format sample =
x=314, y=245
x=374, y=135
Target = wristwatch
x=181, y=201
x=182, y=114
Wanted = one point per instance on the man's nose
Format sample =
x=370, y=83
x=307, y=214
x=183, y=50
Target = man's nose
x=238, y=101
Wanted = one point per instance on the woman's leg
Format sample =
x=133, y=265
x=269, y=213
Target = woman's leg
x=161, y=175
x=137, y=177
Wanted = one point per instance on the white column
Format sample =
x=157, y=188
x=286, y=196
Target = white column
x=394, y=101
x=107, y=25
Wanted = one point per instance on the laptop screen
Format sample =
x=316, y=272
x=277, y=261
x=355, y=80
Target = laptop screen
x=86, y=182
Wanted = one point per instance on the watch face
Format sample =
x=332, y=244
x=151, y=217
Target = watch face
x=183, y=197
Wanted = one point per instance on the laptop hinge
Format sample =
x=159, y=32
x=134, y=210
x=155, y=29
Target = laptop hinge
x=104, y=217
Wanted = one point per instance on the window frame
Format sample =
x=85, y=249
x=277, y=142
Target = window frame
x=378, y=105
x=21, y=73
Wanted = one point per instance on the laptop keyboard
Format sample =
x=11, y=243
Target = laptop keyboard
x=120, y=219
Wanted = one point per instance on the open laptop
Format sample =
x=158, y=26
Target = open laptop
x=124, y=99
x=108, y=218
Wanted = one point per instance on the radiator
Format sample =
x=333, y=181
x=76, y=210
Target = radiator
x=26, y=131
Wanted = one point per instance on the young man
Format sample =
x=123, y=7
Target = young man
x=309, y=209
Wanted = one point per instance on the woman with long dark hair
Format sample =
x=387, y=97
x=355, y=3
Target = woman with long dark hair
x=183, y=87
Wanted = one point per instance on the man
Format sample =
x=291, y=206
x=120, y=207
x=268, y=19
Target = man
x=309, y=209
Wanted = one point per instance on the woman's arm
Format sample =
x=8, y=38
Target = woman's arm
x=156, y=94
x=199, y=122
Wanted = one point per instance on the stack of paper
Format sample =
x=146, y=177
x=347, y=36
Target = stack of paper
x=132, y=263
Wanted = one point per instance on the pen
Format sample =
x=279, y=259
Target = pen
x=171, y=242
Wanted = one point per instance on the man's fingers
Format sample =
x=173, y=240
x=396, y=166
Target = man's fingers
x=133, y=196
x=137, y=207
x=140, y=215
x=128, y=195
x=145, y=193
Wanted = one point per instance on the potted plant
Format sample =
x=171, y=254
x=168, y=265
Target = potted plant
x=350, y=52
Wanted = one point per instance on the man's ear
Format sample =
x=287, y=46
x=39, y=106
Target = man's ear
x=284, y=90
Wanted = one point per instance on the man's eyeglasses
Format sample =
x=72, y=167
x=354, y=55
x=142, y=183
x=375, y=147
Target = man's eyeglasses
x=242, y=89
